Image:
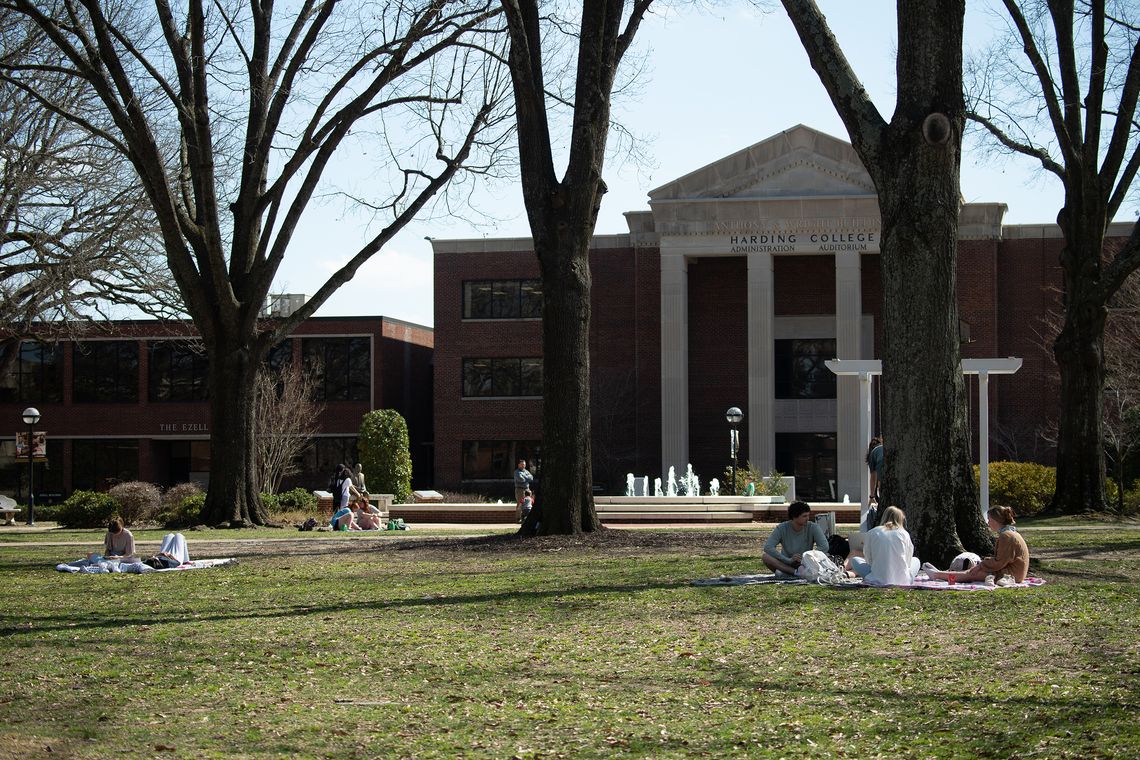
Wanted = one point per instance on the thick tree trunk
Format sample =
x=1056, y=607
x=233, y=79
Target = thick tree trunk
x=916, y=171
x=232, y=499
x=567, y=479
x=1079, y=351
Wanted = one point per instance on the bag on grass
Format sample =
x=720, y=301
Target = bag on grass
x=838, y=546
x=817, y=566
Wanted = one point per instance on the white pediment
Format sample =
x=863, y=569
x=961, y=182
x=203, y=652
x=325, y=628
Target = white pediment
x=798, y=162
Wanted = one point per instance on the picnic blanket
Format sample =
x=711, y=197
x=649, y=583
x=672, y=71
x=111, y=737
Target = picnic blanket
x=932, y=585
x=118, y=566
x=919, y=583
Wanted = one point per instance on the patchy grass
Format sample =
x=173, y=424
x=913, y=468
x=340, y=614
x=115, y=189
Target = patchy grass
x=346, y=646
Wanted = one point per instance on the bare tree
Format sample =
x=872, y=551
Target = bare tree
x=76, y=232
x=562, y=212
x=262, y=98
x=285, y=419
x=1063, y=92
x=914, y=162
x=1121, y=418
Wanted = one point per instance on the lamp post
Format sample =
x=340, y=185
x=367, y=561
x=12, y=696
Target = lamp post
x=31, y=416
x=734, y=416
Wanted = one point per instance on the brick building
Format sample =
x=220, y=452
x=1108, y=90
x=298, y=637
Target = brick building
x=735, y=286
x=129, y=402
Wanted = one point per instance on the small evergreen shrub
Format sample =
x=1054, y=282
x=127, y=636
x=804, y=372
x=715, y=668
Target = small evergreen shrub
x=138, y=501
x=295, y=500
x=771, y=484
x=86, y=509
x=386, y=454
x=186, y=513
x=173, y=497
x=1025, y=487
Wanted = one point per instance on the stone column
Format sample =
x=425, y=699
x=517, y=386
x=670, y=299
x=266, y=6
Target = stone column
x=848, y=328
x=761, y=411
x=674, y=361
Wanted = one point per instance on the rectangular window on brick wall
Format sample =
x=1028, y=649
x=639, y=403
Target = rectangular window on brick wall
x=800, y=369
x=321, y=458
x=96, y=465
x=177, y=371
x=502, y=299
x=106, y=371
x=36, y=377
x=48, y=475
x=499, y=377
x=495, y=460
x=341, y=368
x=811, y=459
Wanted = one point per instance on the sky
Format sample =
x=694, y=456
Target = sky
x=717, y=81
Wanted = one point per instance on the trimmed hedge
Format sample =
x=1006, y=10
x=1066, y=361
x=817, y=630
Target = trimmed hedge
x=385, y=454
x=290, y=501
x=86, y=509
x=1025, y=487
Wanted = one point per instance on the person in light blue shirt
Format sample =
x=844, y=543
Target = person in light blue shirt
x=784, y=549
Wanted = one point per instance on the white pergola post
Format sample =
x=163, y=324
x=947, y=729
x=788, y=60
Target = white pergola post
x=983, y=368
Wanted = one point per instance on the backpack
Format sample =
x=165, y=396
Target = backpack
x=838, y=546
x=309, y=524
x=817, y=566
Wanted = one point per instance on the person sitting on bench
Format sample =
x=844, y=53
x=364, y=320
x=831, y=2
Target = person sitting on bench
x=794, y=536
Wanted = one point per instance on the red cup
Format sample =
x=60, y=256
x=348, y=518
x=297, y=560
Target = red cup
x=951, y=578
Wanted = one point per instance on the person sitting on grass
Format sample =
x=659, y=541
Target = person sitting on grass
x=367, y=515
x=118, y=542
x=344, y=519
x=1011, y=557
x=888, y=553
x=794, y=536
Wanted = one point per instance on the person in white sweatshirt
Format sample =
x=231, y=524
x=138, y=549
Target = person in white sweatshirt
x=888, y=553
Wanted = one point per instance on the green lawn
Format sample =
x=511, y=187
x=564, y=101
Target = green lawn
x=408, y=646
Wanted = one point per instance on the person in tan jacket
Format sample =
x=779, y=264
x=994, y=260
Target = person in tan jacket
x=1011, y=557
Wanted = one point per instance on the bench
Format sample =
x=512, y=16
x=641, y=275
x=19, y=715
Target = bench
x=9, y=515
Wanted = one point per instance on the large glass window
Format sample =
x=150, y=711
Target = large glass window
x=323, y=455
x=502, y=299
x=106, y=371
x=96, y=465
x=36, y=376
x=495, y=460
x=178, y=371
x=811, y=458
x=800, y=369
x=48, y=475
x=502, y=377
x=341, y=368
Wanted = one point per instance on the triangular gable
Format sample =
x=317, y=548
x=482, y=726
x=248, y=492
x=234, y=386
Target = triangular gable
x=797, y=162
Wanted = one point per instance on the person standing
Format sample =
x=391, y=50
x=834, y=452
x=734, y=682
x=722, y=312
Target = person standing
x=358, y=479
x=523, y=480
x=875, y=465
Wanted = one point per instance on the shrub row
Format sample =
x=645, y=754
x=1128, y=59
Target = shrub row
x=136, y=502
x=1025, y=487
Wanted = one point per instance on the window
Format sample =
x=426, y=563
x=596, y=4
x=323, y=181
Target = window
x=502, y=299
x=341, y=368
x=323, y=455
x=179, y=371
x=811, y=458
x=800, y=369
x=36, y=377
x=502, y=377
x=495, y=460
x=99, y=464
x=106, y=371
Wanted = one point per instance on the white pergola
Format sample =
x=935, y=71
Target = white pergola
x=865, y=369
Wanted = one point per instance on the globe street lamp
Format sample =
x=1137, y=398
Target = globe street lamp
x=31, y=416
x=734, y=416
